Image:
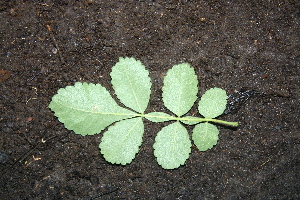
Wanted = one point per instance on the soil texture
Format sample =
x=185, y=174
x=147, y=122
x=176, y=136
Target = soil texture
x=249, y=48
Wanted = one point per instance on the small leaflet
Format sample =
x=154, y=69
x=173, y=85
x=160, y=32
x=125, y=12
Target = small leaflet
x=180, y=89
x=121, y=141
x=213, y=103
x=131, y=83
x=172, y=146
x=205, y=136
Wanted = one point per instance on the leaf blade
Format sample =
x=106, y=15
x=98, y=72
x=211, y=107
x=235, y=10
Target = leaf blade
x=131, y=83
x=212, y=103
x=180, y=89
x=81, y=106
x=121, y=142
x=205, y=136
x=172, y=146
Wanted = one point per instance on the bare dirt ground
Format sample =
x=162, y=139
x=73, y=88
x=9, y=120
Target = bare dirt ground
x=46, y=45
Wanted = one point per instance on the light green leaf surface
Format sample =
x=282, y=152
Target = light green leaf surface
x=190, y=121
x=213, y=103
x=172, y=146
x=122, y=140
x=158, y=117
x=131, y=83
x=87, y=109
x=180, y=89
x=205, y=136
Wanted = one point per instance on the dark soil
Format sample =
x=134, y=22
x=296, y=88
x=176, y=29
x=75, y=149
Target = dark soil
x=237, y=46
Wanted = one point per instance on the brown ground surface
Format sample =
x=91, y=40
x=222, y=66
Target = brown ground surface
x=46, y=45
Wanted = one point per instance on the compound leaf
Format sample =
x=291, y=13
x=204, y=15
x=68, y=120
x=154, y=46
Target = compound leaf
x=158, y=117
x=205, y=136
x=121, y=141
x=180, y=89
x=131, y=83
x=172, y=146
x=213, y=103
x=87, y=109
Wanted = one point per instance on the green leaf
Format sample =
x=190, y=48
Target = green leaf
x=87, y=109
x=158, y=117
x=180, y=89
x=121, y=142
x=190, y=121
x=213, y=103
x=205, y=136
x=172, y=146
x=131, y=83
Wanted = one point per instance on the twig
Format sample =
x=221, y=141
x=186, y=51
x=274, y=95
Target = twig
x=55, y=43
